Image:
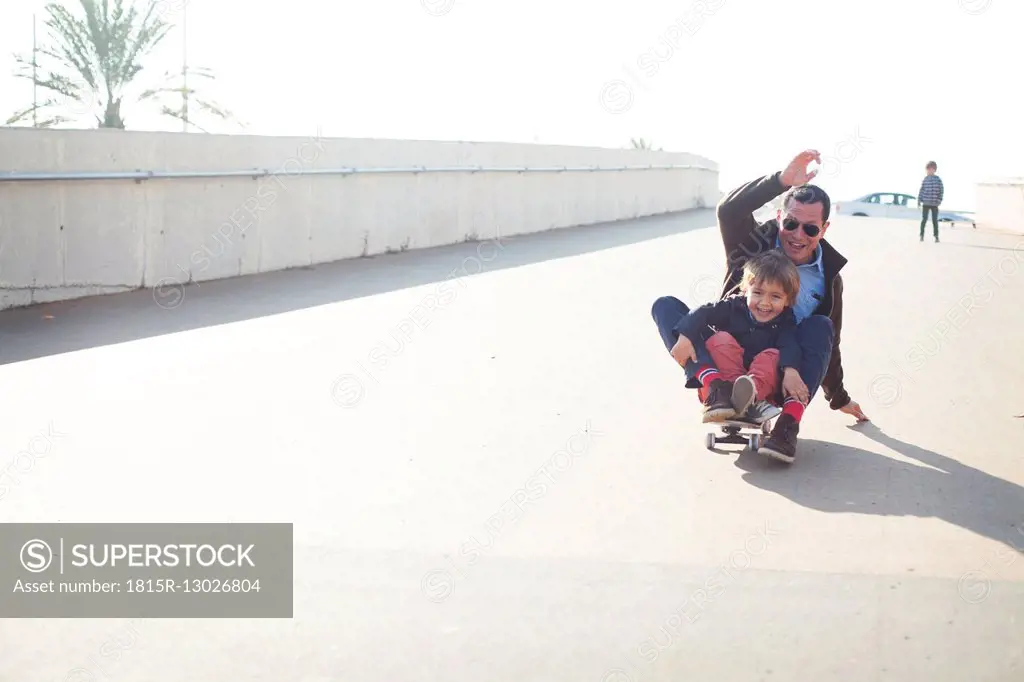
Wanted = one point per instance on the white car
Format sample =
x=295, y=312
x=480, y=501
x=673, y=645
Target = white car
x=895, y=205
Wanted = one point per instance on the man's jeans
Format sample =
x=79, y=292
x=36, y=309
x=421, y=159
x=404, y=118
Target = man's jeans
x=667, y=312
x=814, y=336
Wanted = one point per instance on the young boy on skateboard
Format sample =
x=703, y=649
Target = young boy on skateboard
x=753, y=342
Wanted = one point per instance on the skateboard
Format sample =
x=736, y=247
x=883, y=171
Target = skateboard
x=733, y=428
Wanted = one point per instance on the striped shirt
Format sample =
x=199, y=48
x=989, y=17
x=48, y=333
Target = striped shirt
x=931, y=191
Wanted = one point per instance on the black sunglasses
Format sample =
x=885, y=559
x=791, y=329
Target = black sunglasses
x=810, y=229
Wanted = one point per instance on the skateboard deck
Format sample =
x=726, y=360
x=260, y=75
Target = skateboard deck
x=741, y=423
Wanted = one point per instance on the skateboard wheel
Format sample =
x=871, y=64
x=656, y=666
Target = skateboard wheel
x=755, y=442
x=709, y=441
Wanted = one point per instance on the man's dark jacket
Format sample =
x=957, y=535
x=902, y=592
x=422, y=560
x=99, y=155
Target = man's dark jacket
x=744, y=238
x=732, y=315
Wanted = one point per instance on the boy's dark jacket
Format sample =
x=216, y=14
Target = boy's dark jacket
x=733, y=316
x=744, y=238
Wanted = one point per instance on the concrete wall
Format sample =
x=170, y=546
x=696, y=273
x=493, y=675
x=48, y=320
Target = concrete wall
x=66, y=239
x=1001, y=205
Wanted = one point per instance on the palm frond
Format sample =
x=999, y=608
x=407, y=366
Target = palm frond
x=73, y=45
x=26, y=114
x=214, y=109
x=19, y=116
x=179, y=115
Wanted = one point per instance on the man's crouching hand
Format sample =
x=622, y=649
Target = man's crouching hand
x=683, y=351
x=854, y=409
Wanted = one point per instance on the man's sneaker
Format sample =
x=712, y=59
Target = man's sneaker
x=743, y=394
x=762, y=411
x=781, y=444
x=718, y=405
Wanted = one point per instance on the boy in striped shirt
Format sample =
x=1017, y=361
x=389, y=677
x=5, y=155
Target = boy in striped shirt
x=929, y=198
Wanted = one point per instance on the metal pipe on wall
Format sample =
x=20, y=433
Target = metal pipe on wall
x=140, y=175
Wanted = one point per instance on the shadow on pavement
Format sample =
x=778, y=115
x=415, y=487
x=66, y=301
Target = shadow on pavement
x=842, y=479
x=26, y=334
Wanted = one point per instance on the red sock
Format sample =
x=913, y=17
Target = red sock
x=794, y=408
x=706, y=375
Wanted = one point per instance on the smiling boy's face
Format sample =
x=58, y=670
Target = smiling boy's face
x=766, y=300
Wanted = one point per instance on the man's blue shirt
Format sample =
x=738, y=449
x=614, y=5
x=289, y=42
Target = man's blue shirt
x=812, y=283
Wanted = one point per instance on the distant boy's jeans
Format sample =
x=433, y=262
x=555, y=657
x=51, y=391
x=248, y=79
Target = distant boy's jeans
x=814, y=335
x=935, y=219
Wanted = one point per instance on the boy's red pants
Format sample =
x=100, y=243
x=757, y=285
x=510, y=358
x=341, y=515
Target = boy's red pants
x=727, y=354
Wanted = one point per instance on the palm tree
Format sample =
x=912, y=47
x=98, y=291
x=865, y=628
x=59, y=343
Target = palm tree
x=176, y=87
x=94, y=61
x=641, y=143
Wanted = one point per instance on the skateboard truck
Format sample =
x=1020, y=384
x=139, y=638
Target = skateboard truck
x=756, y=430
x=733, y=428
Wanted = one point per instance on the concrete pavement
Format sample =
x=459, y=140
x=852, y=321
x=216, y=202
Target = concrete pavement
x=495, y=473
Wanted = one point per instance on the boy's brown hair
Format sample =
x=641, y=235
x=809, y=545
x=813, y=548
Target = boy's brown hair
x=772, y=266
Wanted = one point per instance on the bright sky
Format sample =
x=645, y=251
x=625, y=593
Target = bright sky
x=748, y=84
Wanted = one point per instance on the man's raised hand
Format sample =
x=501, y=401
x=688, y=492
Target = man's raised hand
x=796, y=172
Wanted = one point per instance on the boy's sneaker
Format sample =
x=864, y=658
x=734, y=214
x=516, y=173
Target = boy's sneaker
x=763, y=411
x=718, y=405
x=743, y=394
x=781, y=444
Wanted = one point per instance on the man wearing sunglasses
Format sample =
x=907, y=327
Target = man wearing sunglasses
x=798, y=230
